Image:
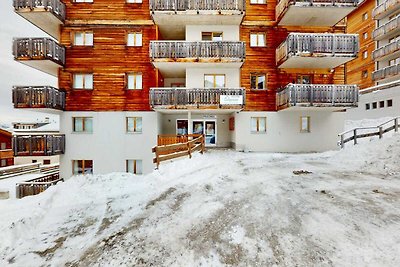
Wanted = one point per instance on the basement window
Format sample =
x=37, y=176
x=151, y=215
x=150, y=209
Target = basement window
x=82, y=167
x=258, y=124
x=305, y=124
x=374, y=105
x=134, y=166
x=381, y=104
x=367, y=106
x=389, y=103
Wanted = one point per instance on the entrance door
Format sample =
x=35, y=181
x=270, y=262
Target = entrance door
x=210, y=134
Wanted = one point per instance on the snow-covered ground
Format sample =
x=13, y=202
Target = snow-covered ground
x=223, y=208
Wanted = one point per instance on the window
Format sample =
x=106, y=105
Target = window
x=134, y=125
x=83, y=38
x=365, y=35
x=46, y=162
x=367, y=106
x=365, y=55
x=134, y=81
x=83, y=1
x=134, y=1
x=82, y=167
x=304, y=79
x=257, y=39
x=82, y=124
x=214, y=80
x=3, y=146
x=365, y=16
x=381, y=104
x=135, y=39
x=82, y=81
x=211, y=36
x=3, y=163
x=258, y=81
x=304, y=124
x=258, y=124
x=258, y=1
x=374, y=105
x=34, y=161
x=134, y=166
x=365, y=74
x=389, y=103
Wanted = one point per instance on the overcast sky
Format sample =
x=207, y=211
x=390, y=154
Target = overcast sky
x=14, y=73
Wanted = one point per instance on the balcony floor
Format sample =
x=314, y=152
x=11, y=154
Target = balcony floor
x=316, y=107
x=44, y=65
x=314, y=62
x=43, y=19
x=314, y=16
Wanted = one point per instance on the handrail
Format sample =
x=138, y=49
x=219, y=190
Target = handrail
x=385, y=6
x=10, y=171
x=39, y=48
x=56, y=7
x=385, y=50
x=197, y=5
x=38, y=97
x=37, y=185
x=38, y=145
x=380, y=132
x=197, y=49
x=299, y=44
x=386, y=72
x=390, y=26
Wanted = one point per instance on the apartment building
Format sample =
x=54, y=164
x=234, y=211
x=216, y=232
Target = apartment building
x=382, y=97
x=249, y=75
x=6, y=153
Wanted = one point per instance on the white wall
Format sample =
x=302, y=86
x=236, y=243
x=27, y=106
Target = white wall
x=230, y=32
x=169, y=81
x=383, y=95
x=28, y=160
x=195, y=76
x=283, y=131
x=109, y=146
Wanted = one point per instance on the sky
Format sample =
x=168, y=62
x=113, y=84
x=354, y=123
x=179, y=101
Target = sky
x=14, y=73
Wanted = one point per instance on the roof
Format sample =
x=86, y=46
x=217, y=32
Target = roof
x=5, y=132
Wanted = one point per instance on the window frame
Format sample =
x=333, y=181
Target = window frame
x=212, y=36
x=135, y=166
x=258, y=34
x=134, y=38
x=84, y=122
x=135, y=75
x=83, y=74
x=84, y=38
x=83, y=166
x=308, y=128
x=214, y=80
x=257, y=130
x=264, y=2
x=258, y=74
x=135, y=130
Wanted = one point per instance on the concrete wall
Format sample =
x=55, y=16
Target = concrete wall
x=383, y=95
x=195, y=76
x=169, y=81
x=230, y=32
x=109, y=146
x=283, y=131
x=28, y=160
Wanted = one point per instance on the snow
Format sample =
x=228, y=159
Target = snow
x=223, y=208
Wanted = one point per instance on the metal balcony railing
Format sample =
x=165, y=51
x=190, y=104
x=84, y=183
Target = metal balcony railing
x=298, y=44
x=318, y=95
x=386, y=72
x=384, y=7
x=194, y=97
x=38, y=97
x=197, y=5
x=386, y=50
x=39, y=48
x=202, y=49
x=392, y=25
x=283, y=5
x=38, y=145
x=56, y=7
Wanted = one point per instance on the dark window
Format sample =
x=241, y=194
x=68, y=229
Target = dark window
x=375, y=105
x=46, y=162
x=34, y=161
x=389, y=103
x=381, y=104
x=367, y=106
x=258, y=81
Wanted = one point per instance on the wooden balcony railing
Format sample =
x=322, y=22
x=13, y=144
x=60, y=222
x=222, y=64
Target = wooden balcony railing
x=324, y=95
x=6, y=154
x=38, y=97
x=37, y=185
x=283, y=5
x=195, y=50
x=391, y=26
x=197, y=5
x=38, y=145
x=307, y=44
x=196, y=97
x=38, y=48
x=385, y=7
x=386, y=72
x=56, y=7
x=386, y=50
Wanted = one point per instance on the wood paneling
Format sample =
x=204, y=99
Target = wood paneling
x=356, y=24
x=109, y=60
x=260, y=14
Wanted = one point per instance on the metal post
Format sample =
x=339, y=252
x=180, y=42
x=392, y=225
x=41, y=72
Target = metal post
x=355, y=136
x=396, y=125
x=342, y=141
x=380, y=132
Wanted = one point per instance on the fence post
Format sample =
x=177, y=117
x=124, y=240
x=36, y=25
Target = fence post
x=396, y=125
x=189, y=148
x=342, y=141
x=355, y=136
x=380, y=132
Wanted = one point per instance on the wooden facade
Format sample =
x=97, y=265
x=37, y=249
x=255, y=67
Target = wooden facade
x=6, y=153
x=359, y=71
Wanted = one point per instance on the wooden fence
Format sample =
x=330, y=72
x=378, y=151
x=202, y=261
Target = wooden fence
x=38, y=185
x=170, y=147
x=379, y=130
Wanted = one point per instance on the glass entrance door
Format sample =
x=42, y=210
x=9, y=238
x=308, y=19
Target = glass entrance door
x=210, y=134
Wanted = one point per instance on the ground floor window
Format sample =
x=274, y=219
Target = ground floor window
x=3, y=163
x=134, y=166
x=258, y=124
x=82, y=167
x=46, y=162
x=304, y=124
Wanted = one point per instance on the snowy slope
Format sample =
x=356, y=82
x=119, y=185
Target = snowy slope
x=222, y=209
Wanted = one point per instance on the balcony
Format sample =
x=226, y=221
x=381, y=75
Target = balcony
x=316, y=51
x=184, y=54
x=197, y=98
x=313, y=12
x=387, y=30
x=385, y=9
x=173, y=15
x=40, y=53
x=330, y=96
x=386, y=73
x=47, y=15
x=390, y=50
x=6, y=154
x=38, y=97
x=38, y=145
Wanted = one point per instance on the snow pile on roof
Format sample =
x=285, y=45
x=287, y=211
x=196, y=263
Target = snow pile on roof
x=222, y=209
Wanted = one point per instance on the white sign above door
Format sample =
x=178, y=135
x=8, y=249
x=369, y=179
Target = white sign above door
x=231, y=99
